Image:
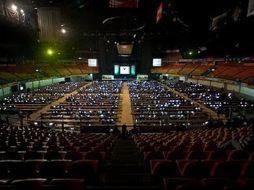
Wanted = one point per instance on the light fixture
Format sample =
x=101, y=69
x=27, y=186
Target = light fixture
x=14, y=7
x=63, y=31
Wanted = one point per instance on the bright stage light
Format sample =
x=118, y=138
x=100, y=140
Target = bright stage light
x=63, y=31
x=14, y=7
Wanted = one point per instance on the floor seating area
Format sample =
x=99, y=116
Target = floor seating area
x=217, y=99
x=154, y=105
x=31, y=101
x=175, y=147
x=96, y=105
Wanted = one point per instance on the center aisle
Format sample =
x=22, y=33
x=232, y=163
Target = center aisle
x=126, y=168
x=126, y=110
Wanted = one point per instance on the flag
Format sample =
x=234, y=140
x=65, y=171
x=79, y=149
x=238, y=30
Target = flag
x=123, y=3
x=159, y=12
x=250, y=11
x=219, y=21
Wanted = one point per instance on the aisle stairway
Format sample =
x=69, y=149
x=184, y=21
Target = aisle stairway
x=126, y=169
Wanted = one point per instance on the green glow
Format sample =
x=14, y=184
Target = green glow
x=50, y=52
x=133, y=70
x=116, y=69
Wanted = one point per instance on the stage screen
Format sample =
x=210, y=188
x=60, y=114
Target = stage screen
x=133, y=70
x=156, y=62
x=92, y=62
x=116, y=69
x=124, y=49
x=124, y=70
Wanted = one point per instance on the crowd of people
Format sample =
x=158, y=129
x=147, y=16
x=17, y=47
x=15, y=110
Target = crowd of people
x=219, y=100
x=97, y=104
x=153, y=104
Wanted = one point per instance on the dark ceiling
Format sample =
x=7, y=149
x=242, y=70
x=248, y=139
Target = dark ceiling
x=185, y=24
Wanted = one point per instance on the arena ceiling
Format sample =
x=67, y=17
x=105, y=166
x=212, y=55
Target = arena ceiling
x=185, y=24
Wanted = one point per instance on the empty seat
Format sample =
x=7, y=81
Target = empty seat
x=164, y=168
x=176, y=155
x=238, y=155
x=197, y=155
x=216, y=183
x=32, y=167
x=3, y=169
x=16, y=168
x=231, y=169
x=218, y=155
x=67, y=184
x=245, y=184
x=153, y=155
x=195, y=169
x=83, y=169
x=74, y=155
x=93, y=155
x=248, y=170
x=28, y=184
x=34, y=155
x=54, y=168
x=181, y=183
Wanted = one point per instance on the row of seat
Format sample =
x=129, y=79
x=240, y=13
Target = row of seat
x=223, y=155
x=43, y=184
x=86, y=169
x=153, y=104
x=200, y=169
x=205, y=139
x=218, y=100
x=208, y=184
x=102, y=96
x=52, y=155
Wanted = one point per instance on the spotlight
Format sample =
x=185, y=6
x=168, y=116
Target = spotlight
x=63, y=31
x=50, y=52
x=14, y=7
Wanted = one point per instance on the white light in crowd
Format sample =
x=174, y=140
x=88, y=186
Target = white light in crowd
x=79, y=58
x=35, y=123
x=14, y=7
x=22, y=11
x=35, y=8
x=50, y=124
x=37, y=70
x=63, y=31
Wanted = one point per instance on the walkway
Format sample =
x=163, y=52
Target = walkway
x=126, y=111
x=126, y=169
x=36, y=115
x=205, y=109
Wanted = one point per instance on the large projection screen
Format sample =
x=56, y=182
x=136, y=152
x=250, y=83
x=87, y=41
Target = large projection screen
x=156, y=62
x=124, y=70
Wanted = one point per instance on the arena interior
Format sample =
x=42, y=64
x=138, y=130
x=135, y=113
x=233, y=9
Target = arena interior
x=126, y=94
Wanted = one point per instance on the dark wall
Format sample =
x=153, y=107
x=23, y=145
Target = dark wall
x=108, y=56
